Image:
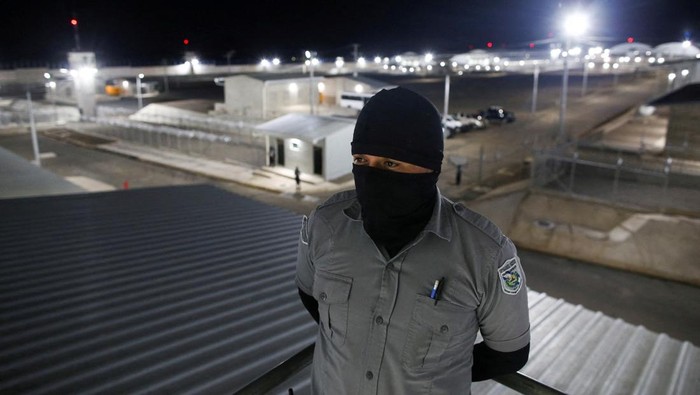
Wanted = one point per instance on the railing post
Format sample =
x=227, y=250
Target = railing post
x=571, y=175
x=617, y=175
x=481, y=163
x=667, y=171
x=526, y=385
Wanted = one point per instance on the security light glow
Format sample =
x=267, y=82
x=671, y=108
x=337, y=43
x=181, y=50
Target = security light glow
x=575, y=25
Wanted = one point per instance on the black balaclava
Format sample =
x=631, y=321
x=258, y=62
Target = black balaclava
x=402, y=125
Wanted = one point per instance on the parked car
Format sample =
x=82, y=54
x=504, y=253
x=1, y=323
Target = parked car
x=497, y=113
x=470, y=122
x=451, y=125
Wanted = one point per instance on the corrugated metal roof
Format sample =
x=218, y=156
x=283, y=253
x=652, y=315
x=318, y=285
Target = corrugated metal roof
x=583, y=352
x=189, y=289
x=183, y=289
x=306, y=127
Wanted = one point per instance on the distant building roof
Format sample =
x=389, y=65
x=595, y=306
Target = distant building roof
x=629, y=49
x=374, y=83
x=677, y=49
x=275, y=76
x=687, y=94
x=307, y=127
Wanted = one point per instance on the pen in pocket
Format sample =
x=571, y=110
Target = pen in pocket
x=437, y=289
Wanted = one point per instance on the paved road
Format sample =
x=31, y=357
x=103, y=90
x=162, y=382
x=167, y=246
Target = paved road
x=659, y=305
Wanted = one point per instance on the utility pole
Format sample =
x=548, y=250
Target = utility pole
x=562, y=138
x=535, y=83
x=311, y=57
x=355, y=55
x=32, y=125
x=447, y=95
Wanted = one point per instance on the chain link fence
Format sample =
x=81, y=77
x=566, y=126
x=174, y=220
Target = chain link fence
x=656, y=183
x=209, y=137
x=15, y=112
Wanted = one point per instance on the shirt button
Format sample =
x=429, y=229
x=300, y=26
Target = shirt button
x=379, y=320
x=369, y=375
x=323, y=296
x=444, y=329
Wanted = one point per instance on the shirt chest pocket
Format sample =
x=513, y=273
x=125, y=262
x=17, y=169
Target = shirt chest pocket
x=437, y=334
x=332, y=292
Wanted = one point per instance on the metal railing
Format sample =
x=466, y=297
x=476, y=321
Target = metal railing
x=654, y=183
x=273, y=378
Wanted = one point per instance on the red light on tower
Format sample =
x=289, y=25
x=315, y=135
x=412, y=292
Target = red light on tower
x=532, y=45
x=489, y=44
x=186, y=41
x=74, y=21
x=630, y=40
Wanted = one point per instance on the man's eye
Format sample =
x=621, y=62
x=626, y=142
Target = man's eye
x=358, y=161
x=390, y=164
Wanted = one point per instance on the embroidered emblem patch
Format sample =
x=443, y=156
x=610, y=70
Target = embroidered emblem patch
x=511, y=275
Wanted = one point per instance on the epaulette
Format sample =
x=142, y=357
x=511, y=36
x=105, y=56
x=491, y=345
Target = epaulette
x=338, y=197
x=480, y=222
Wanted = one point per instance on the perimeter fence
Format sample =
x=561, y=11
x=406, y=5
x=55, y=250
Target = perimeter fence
x=653, y=182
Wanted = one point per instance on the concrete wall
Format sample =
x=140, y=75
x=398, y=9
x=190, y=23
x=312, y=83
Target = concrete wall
x=337, y=159
x=304, y=157
x=664, y=246
x=244, y=96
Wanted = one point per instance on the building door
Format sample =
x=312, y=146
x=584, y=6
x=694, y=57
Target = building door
x=318, y=160
x=280, y=152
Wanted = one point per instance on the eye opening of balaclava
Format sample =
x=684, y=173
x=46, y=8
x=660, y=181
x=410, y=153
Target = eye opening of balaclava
x=403, y=125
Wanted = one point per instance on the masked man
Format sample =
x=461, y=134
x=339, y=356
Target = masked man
x=402, y=280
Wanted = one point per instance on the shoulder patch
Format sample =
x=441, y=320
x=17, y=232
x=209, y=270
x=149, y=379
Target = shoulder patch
x=510, y=275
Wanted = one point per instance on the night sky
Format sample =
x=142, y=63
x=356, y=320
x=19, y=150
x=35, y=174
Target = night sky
x=152, y=32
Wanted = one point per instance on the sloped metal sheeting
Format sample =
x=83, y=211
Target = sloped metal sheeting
x=190, y=290
x=583, y=352
x=184, y=289
x=580, y=351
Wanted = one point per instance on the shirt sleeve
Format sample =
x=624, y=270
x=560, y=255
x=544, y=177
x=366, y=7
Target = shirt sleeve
x=305, y=267
x=503, y=314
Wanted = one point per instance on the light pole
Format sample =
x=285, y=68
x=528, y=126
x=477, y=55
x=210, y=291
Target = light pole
x=584, y=82
x=311, y=60
x=447, y=96
x=535, y=83
x=138, y=90
x=575, y=25
x=561, y=137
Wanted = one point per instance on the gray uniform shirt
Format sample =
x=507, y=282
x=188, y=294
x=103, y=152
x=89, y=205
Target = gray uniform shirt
x=380, y=332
